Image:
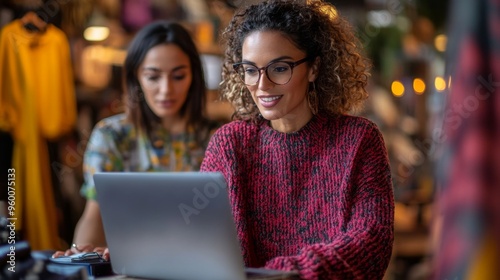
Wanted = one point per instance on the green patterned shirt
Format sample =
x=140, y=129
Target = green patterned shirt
x=115, y=145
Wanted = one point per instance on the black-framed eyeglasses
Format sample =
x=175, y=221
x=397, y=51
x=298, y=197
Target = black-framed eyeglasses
x=278, y=72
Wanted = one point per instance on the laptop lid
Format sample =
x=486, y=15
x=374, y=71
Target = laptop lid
x=169, y=225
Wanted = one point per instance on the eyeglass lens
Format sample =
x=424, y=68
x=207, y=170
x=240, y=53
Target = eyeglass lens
x=278, y=72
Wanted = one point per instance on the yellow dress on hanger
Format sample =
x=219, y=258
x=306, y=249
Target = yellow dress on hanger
x=37, y=103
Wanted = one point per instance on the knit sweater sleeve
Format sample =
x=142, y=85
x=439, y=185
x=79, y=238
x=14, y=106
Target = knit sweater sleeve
x=363, y=249
x=215, y=154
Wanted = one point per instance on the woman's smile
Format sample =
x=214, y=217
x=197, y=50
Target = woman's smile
x=268, y=101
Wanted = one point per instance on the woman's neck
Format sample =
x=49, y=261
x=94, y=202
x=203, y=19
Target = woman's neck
x=291, y=124
x=175, y=125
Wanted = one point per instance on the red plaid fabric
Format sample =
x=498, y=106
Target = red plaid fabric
x=468, y=196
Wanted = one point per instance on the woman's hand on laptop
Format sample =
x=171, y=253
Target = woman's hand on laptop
x=76, y=249
x=103, y=251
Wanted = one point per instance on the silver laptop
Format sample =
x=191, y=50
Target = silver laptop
x=172, y=225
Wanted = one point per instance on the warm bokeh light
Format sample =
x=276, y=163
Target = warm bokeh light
x=418, y=86
x=397, y=88
x=449, y=82
x=440, y=83
x=440, y=42
x=96, y=33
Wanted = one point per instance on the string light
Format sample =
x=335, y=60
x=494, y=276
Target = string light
x=418, y=86
x=397, y=88
x=440, y=83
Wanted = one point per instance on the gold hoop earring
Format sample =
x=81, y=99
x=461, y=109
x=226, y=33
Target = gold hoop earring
x=312, y=98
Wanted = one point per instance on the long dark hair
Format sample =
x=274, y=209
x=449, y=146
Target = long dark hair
x=156, y=33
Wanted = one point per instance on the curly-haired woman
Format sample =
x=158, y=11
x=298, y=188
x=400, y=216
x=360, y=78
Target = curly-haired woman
x=309, y=184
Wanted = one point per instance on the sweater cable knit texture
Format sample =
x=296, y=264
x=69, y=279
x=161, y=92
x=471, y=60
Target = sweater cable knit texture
x=318, y=201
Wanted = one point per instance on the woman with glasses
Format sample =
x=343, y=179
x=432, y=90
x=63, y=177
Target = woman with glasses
x=309, y=184
x=164, y=127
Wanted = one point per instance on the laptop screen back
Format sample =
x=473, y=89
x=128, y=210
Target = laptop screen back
x=169, y=225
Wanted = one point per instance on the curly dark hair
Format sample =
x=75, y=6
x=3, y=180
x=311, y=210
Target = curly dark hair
x=317, y=29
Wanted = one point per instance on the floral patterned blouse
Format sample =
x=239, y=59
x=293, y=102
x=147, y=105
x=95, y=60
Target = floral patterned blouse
x=115, y=145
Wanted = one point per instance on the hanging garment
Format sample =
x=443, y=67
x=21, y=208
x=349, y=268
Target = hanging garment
x=37, y=103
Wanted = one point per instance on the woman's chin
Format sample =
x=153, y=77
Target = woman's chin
x=165, y=113
x=271, y=115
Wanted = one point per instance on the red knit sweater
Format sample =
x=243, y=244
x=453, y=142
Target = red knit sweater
x=318, y=201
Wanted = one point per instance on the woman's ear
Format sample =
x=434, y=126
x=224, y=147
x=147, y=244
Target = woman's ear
x=313, y=71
